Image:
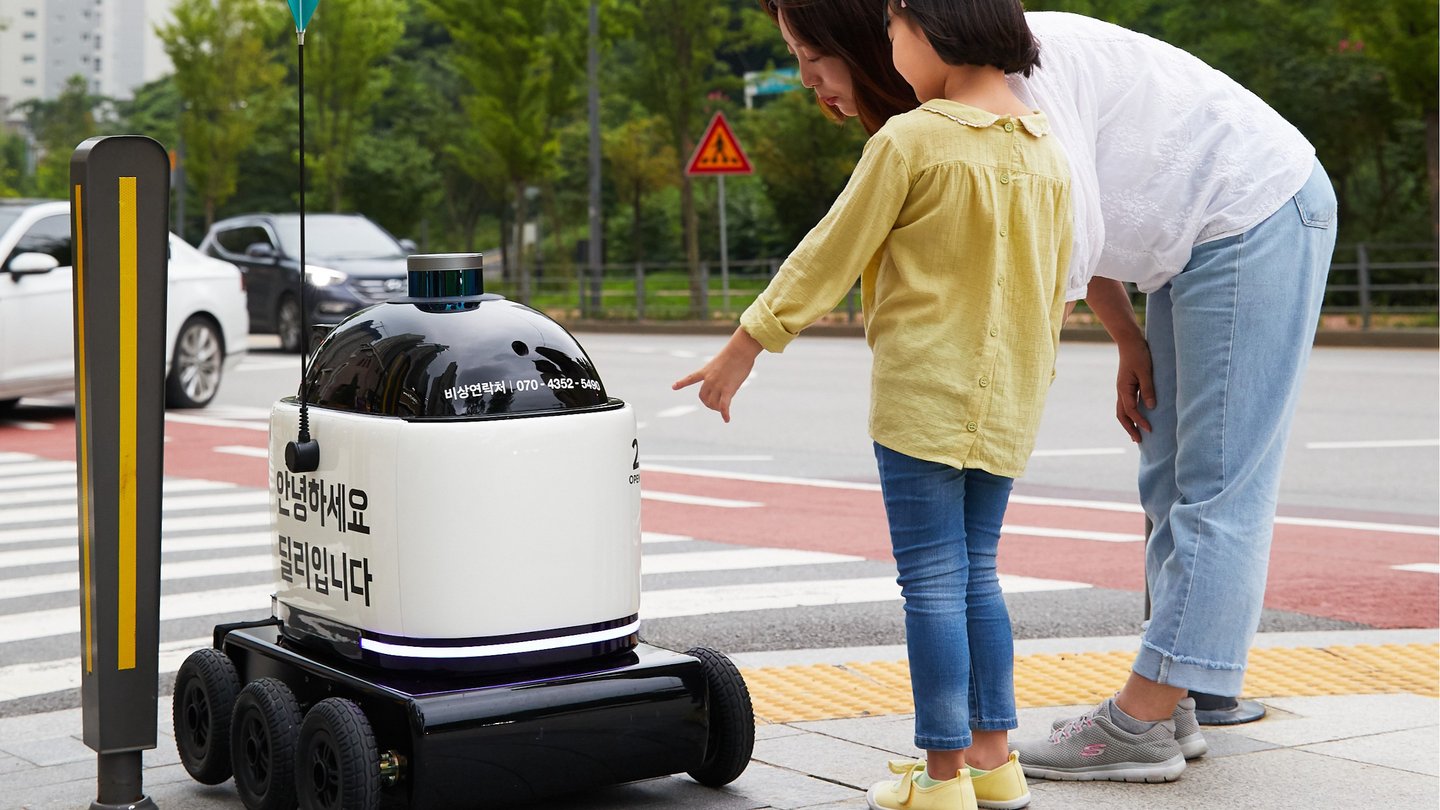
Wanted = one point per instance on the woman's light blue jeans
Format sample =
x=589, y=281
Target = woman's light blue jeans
x=1229, y=338
x=945, y=530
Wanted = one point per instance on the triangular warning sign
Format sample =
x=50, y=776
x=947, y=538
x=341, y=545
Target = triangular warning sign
x=719, y=152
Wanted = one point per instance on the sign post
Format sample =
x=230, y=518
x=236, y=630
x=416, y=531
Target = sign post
x=719, y=154
x=119, y=216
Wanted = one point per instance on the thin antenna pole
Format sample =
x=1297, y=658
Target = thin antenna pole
x=304, y=332
x=303, y=454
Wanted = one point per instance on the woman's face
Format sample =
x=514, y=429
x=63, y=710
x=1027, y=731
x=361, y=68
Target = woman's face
x=828, y=76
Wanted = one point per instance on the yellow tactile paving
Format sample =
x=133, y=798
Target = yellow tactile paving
x=824, y=692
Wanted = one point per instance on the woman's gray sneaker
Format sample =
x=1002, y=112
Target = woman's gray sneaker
x=1187, y=729
x=1092, y=748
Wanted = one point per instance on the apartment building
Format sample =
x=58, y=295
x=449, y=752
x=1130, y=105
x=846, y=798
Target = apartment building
x=111, y=43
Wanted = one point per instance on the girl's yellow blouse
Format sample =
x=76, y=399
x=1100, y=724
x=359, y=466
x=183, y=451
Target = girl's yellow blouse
x=957, y=222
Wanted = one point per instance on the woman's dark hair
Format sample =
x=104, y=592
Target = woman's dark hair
x=854, y=32
x=974, y=32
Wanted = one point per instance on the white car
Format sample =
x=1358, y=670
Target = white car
x=206, y=319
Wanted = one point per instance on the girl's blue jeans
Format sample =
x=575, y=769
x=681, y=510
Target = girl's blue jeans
x=945, y=530
x=1229, y=339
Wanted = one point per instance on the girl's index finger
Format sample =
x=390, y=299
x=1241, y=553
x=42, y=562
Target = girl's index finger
x=687, y=381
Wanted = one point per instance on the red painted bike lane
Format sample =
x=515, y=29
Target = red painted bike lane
x=1335, y=571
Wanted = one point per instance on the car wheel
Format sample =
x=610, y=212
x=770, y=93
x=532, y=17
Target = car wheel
x=196, y=365
x=289, y=324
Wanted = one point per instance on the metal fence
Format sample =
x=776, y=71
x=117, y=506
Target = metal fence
x=1371, y=283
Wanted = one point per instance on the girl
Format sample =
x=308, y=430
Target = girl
x=957, y=222
x=1216, y=208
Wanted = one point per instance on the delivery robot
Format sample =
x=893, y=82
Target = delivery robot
x=456, y=613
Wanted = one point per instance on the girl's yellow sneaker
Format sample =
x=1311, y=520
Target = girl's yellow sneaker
x=906, y=794
x=1003, y=788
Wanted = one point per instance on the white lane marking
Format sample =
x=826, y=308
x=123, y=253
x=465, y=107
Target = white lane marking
x=63, y=621
x=37, y=468
x=1422, y=568
x=1083, y=451
x=737, y=560
x=29, y=481
x=682, y=354
x=23, y=425
x=171, y=486
x=1031, y=500
x=675, y=602
x=15, y=458
x=656, y=457
x=168, y=524
x=661, y=537
x=43, y=677
x=1072, y=534
x=1373, y=445
x=697, y=500
x=678, y=410
x=169, y=571
x=206, y=421
x=71, y=553
x=238, y=450
x=186, y=503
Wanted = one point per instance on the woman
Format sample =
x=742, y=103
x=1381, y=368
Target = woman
x=1189, y=186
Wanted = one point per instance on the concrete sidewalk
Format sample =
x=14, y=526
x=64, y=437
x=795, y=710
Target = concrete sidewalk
x=1366, y=747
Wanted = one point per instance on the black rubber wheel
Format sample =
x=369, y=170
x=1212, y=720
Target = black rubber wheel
x=205, y=690
x=195, y=365
x=263, y=733
x=732, y=721
x=337, y=766
x=290, y=324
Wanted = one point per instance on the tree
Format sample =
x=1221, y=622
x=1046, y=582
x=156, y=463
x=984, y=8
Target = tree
x=522, y=65
x=346, y=44
x=641, y=161
x=224, y=69
x=674, y=64
x=59, y=126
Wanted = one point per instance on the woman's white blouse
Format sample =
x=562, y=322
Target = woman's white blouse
x=1165, y=151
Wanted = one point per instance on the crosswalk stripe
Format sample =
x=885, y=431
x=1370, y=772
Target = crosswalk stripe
x=36, y=468
x=661, y=537
x=43, y=677
x=15, y=458
x=30, y=481
x=62, y=621
x=737, y=560
x=249, y=497
x=1419, y=568
x=168, y=524
x=172, y=486
x=71, y=553
x=169, y=572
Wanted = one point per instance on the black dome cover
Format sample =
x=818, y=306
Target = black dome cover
x=473, y=357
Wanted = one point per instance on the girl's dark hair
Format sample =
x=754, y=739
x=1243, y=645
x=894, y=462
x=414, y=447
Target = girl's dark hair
x=854, y=32
x=975, y=32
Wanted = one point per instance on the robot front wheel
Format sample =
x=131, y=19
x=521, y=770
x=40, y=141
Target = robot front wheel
x=732, y=720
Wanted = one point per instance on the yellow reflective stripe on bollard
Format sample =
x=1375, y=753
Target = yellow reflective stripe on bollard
x=129, y=303
x=82, y=423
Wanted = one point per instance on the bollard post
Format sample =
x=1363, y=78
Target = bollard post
x=1210, y=710
x=1362, y=281
x=119, y=213
x=639, y=291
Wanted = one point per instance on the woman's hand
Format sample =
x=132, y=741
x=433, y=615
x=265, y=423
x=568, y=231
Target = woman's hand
x=1134, y=385
x=721, y=377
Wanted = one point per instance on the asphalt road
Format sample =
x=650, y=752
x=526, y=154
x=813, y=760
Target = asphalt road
x=743, y=513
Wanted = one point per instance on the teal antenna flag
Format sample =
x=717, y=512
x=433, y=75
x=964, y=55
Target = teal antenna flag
x=302, y=11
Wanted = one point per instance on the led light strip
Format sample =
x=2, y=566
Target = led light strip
x=488, y=650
